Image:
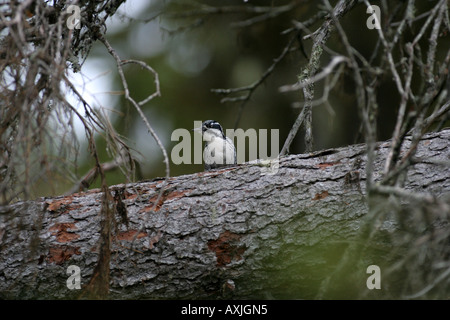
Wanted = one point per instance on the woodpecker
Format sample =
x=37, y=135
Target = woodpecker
x=219, y=150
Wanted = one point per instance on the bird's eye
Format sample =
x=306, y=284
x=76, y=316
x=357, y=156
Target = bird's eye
x=211, y=124
x=216, y=125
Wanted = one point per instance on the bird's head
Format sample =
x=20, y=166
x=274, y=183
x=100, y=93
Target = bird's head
x=210, y=130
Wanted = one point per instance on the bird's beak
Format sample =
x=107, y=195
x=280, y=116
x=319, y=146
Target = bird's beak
x=198, y=130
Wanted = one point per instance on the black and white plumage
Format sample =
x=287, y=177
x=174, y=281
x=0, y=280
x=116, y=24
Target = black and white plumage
x=219, y=150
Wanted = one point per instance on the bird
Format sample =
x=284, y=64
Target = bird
x=219, y=150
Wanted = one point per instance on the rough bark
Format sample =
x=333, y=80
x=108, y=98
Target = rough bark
x=231, y=233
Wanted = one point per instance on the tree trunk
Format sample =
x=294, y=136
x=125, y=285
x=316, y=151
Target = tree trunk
x=302, y=232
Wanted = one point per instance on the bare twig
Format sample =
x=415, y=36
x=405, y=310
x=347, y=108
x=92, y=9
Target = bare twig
x=157, y=92
x=401, y=125
x=390, y=58
x=320, y=37
x=86, y=181
x=319, y=76
x=276, y=11
x=206, y=10
x=252, y=87
x=119, y=64
x=293, y=132
x=398, y=191
x=425, y=290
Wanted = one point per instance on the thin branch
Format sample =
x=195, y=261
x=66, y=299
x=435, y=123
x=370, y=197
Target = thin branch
x=409, y=12
x=86, y=181
x=276, y=11
x=436, y=115
x=320, y=37
x=399, y=134
x=401, y=192
x=329, y=84
x=252, y=87
x=417, y=132
x=429, y=67
x=401, y=126
x=293, y=132
x=206, y=10
x=435, y=281
x=157, y=93
x=319, y=76
x=389, y=56
x=119, y=64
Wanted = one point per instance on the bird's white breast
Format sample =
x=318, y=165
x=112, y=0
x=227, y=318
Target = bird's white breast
x=219, y=152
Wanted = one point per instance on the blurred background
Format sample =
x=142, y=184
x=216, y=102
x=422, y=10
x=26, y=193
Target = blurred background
x=194, y=53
